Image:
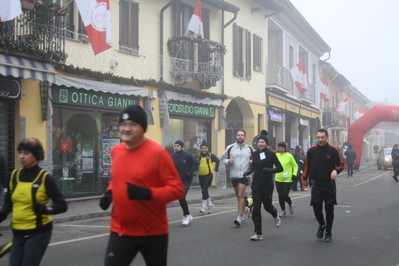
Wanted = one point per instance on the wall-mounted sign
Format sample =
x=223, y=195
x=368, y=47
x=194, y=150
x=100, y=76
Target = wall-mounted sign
x=88, y=98
x=190, y=109
x=10, y=89
x=275, y=115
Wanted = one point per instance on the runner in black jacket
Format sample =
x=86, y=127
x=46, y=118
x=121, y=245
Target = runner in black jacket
x=322, y=165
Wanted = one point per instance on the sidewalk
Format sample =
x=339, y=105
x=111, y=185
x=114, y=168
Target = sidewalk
x=88, y=208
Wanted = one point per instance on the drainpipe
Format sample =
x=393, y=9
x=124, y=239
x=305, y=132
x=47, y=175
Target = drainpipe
x=225, y=26
x=161, y=35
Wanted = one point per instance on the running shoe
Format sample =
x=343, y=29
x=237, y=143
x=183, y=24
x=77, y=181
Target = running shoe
x=291, y=209
x=256, y=237
x=277, y=221
x=245, y=213
x=210, y=208
x=203, y=210
x=282, y=214
x=320, y=232
x=328, y=237
x=238, y=221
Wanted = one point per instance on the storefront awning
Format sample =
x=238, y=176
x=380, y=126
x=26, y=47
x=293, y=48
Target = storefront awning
x=101, y=86
x=26, y=68
x=171, y=95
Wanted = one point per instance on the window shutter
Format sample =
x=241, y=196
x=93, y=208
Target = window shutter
x=248, y=65
x=235, y=50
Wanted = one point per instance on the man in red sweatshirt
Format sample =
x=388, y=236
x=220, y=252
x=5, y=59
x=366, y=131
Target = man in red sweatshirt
x=143, y=180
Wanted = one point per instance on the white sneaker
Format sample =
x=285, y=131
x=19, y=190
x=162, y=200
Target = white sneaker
x=256, y=237
x=187, y=219
x=277, y=220
x=210, y=208
x=245, y=213
x=282, y=214
x=203, y=210
x=238, y=221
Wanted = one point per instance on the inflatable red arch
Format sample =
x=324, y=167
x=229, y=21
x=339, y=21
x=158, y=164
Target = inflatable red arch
x=377, y=114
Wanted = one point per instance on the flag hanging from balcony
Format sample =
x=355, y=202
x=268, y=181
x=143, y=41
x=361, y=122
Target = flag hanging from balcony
x=298, y=74
x=359, y=113
x=195, y=25
x=9, y=9
x=341, y=106
x=97, y=21
x=322, y=87
x=377, y=132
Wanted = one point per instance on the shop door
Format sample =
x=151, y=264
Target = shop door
x=7, y=145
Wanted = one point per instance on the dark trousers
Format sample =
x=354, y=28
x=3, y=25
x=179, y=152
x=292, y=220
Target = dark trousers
x=262, y=194
x=183, y=201
x=283, y=190
x=350, y=169
x=395, y=171
x=29, y=251
x=205, y=182
x=324, y=192
x=121, y=250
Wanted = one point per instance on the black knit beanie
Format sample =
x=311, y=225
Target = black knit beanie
x=135, y=113
x=179, y=142
x=263, y=135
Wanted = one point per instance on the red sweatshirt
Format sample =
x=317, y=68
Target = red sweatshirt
x=151, y=166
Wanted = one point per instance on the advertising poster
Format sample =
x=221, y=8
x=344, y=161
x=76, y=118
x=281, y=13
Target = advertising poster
x=107, y=147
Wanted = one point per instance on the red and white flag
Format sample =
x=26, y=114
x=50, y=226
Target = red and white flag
x=9, y=9
x=341, y=106
x=359, y=113
x=322, y=87
x=377, y=132
x=97, y=21
x=195, y=24
x=298, y=73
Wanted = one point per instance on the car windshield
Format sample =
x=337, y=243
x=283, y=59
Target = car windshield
x=387, y=151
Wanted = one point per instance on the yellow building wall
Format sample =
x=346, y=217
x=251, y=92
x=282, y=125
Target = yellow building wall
x=30, y=108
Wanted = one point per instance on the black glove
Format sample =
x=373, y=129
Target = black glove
x=216, y=169
x=294, y=177
x=247, y=173
x=3, y=216
x=106, y=200
x=266, y=169
x=138, y=193
x=40, y=209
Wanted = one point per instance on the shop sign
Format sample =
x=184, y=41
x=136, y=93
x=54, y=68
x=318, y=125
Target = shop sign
x=10, y=89
x=189, y=109
x=275, y=116
x=87, y=98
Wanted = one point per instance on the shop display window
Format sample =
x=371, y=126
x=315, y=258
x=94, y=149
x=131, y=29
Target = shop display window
x=82, y=141
x=192, y=133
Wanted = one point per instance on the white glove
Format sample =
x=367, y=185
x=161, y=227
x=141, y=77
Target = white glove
x=5, y=190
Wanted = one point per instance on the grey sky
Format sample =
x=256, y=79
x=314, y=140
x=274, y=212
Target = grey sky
x=363, y=36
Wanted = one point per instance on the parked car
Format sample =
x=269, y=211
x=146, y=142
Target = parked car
x=384, y=159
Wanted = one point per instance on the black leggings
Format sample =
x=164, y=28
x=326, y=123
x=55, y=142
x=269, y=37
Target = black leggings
x=29, y=250
x=183, y=201
x=121, y=250
x=318, y=212
x=283, y=189
x=205, y=182
x=262, y=194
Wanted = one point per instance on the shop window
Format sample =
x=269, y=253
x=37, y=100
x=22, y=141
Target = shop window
x=192, y=133
x=76, y=151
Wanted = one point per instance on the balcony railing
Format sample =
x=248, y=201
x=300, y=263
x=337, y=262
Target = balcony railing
x=337, y=119
x=37, y=33
x=309, y=95
x=196, y=59
x=280, y=78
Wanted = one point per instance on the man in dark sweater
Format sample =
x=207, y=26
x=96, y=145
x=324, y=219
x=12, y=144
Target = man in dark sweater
x=186, y=164
x=350, y=160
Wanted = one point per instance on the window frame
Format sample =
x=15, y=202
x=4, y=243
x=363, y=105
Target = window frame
x=129, y=44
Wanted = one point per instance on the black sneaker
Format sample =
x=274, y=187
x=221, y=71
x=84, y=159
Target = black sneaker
x=320, y=232
x=328, y=237
x=4, y=249
x=396, y=179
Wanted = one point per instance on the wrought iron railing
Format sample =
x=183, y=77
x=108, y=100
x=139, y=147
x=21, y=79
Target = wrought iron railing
x=310, y=94
x=196, y=59
x=279, y=77
x=39, y=33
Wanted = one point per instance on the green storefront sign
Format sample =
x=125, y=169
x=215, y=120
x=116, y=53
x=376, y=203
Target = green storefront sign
x=87, y=98
x=189, y=109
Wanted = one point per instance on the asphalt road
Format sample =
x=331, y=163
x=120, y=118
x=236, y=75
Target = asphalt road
x=365, y=231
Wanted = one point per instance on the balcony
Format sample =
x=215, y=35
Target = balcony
x=38, y=33
x=196, y=59
x=279, y=79
x=335, y=119
x=309, y=96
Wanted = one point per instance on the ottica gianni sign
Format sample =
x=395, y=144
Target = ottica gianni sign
x=88, y=98
x=190, y=109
